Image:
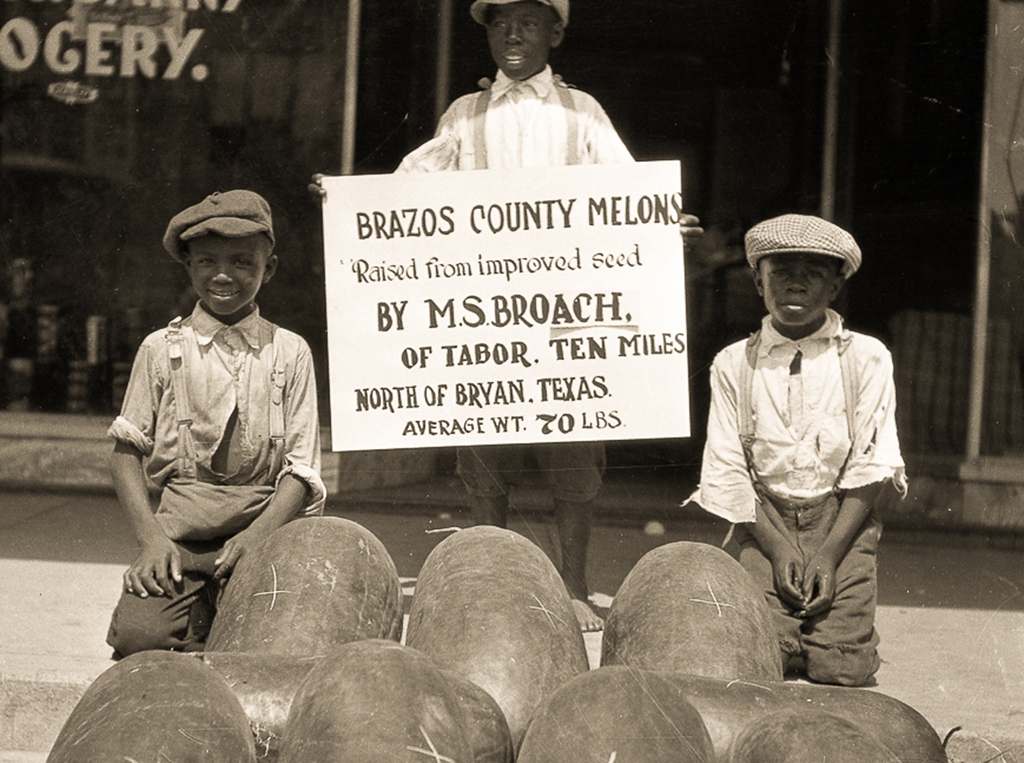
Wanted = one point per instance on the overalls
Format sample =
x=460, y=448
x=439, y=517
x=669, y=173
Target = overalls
x=838, y=646
x=200, y=517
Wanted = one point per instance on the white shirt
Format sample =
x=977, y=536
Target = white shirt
x=525, y=126
x=801, y=431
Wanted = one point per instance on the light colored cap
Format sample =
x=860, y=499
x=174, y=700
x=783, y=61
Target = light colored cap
x=478, y=10
x=232, y=214
x=802, y=233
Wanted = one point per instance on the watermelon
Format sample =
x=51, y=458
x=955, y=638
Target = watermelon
x=490, y=607
x=312, y=584
x=690, y=607
x=375, y=701
x=156, y=706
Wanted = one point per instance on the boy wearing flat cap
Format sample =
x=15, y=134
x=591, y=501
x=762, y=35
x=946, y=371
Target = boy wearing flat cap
x=221, y=414
x=801, y=439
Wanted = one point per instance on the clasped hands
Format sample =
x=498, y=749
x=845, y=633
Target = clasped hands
x=808, y=586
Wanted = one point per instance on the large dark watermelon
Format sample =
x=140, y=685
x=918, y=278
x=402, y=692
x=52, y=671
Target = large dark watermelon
x=730, y=707
x=375, y=701
x=313, y=584
x=265, y=685
x=691, y=607
x=156, y=706
x=617, y=714
x=799, y=735
x=489, y=606
x=485, y=725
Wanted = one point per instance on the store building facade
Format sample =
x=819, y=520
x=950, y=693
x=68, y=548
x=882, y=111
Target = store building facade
x=117, y=114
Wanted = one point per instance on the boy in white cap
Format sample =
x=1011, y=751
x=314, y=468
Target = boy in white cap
x=528, y=117
x=801, y=439
x=221, y=414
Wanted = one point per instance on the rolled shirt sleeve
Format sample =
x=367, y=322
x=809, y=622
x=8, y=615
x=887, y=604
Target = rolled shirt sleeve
x=302, y=427
x=875, y=455
x=136, y=425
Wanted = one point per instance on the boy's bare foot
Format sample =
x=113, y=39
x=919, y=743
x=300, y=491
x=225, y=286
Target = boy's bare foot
x=588, y=620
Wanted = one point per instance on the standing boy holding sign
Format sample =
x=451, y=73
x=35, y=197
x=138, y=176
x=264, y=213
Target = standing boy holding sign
x=529, y=118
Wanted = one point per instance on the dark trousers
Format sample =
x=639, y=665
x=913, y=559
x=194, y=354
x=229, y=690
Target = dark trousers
x=180, y=621
x=572, y=470
x=838, y=646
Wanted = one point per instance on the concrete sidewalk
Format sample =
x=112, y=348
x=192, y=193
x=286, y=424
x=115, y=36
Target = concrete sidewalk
x=951, y=607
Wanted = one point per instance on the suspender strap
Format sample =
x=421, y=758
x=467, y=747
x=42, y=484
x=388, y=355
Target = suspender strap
x=479, y=131
x=572, y=128
x=186, y=446
x=277, y=399
x=277, y=378
x=745, y=405
x=848, y=370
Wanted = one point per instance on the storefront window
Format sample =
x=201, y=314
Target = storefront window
x=115, y=116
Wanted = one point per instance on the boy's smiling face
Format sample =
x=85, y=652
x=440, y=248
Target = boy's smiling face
x=228, y=272
x=797, y=289
x=521, y=36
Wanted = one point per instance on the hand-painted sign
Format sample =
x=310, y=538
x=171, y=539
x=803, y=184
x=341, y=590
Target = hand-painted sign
x=506, y=307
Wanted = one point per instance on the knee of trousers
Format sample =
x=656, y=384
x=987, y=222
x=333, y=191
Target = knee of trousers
x=130, y=637
x=841, y=665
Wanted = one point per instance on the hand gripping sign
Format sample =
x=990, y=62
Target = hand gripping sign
x=493, y=307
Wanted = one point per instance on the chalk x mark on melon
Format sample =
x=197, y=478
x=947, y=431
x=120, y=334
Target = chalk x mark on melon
x=746, y=683
x=718, y=604
x=612, y=758
x=442, y=530
x=546, y=611
x=197, y=740
x=432, y=752
x=276, y=590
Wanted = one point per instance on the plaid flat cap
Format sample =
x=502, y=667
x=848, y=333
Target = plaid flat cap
x=478, y=10
x=232, y=214
x=802, y=233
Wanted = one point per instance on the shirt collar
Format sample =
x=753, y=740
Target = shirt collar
x=541, y=83
x=831, y=329
x=207, y=326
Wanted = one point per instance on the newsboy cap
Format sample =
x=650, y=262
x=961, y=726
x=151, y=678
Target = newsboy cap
x=232, y=214
x=478, y=10
x=802, y=233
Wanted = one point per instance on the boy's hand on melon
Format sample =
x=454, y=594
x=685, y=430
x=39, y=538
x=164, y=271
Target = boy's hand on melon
x=235, y=549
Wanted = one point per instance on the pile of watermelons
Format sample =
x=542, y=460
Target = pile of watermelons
x=304, y=665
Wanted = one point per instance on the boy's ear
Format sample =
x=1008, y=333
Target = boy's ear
x=758, y=282
x=271, y=268
x=837, y=286
x=557, y=34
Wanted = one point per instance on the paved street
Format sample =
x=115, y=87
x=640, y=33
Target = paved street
x=951, y=607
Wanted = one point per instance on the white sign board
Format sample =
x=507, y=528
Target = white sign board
x=490, y=307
